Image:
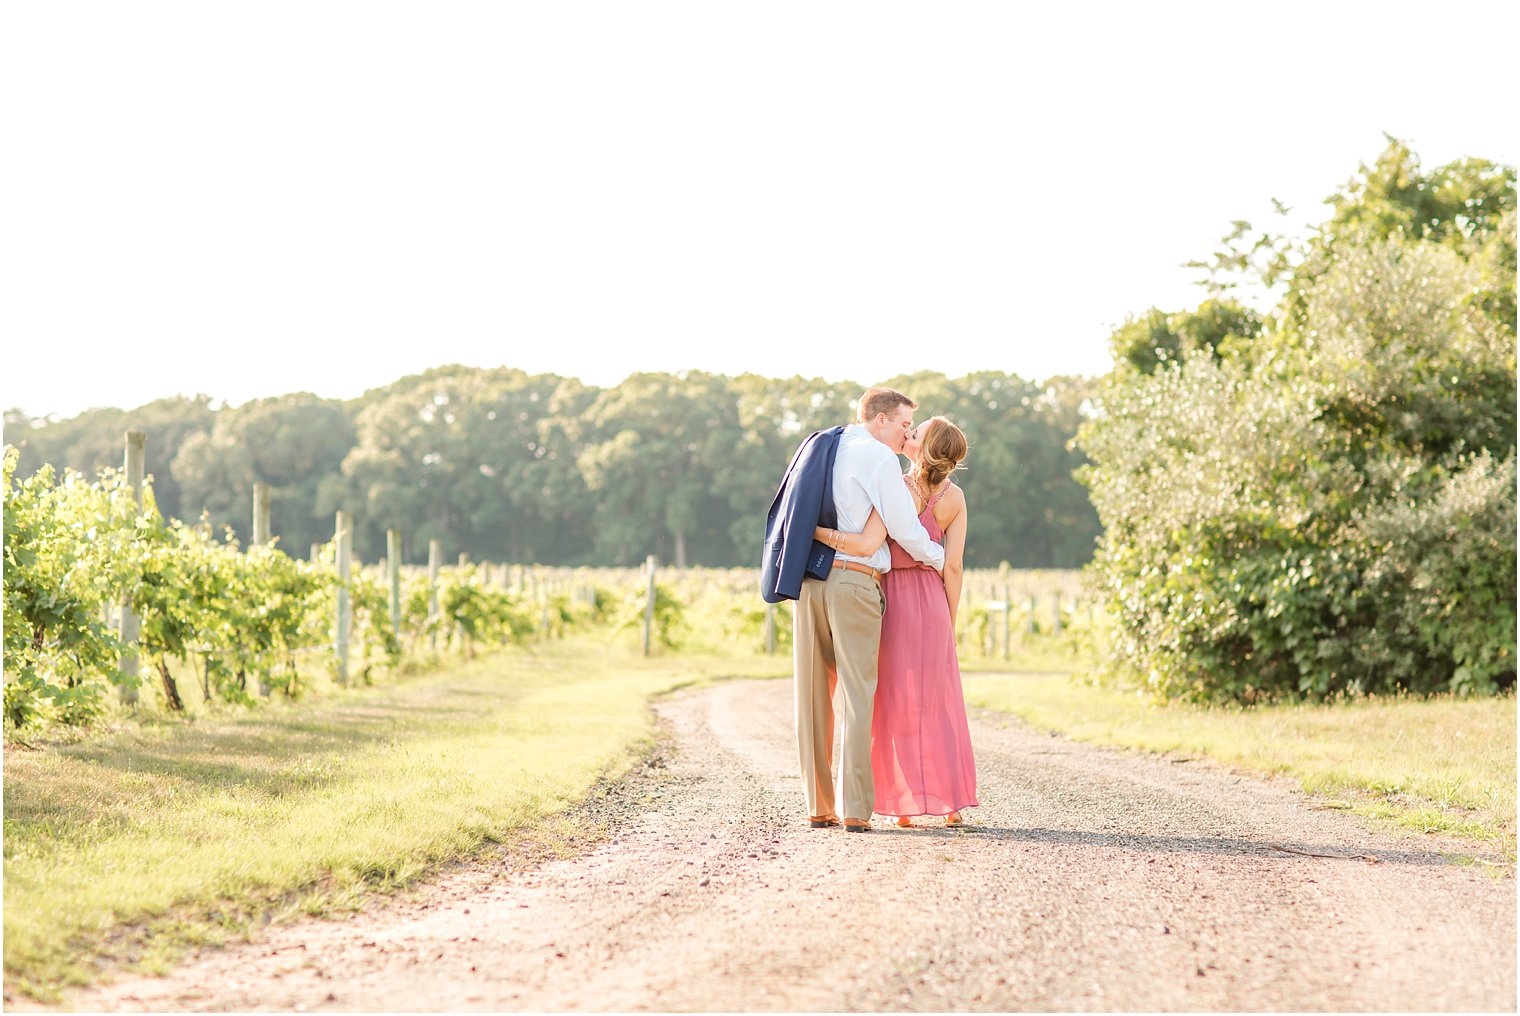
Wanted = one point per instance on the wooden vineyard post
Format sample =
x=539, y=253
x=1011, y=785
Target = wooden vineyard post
x=136, y=443
x=543, y=606
x=260, y=514
x=770, y=628
x=1007, y=609
x=393, y=567
x=649, y=565
x=990, y=634
x=1032, y=601
x=435, y=559
x=260, y=537
x=1055, y=606
x=343, y=535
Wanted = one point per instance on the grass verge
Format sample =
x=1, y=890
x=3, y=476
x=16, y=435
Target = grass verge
x=1439, y=765
x=134, y=843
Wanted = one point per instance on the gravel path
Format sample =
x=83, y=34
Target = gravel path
x=1091, y=880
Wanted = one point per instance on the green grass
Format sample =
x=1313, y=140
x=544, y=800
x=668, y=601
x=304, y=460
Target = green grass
x=129, y=844
x=1031, y=654
x=1440, y=765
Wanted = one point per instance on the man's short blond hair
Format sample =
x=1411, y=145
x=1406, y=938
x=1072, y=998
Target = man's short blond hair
x=881, y=400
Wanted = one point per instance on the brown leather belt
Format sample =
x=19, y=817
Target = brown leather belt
x=864, y=569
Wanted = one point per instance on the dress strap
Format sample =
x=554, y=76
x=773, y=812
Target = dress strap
x=916, y=488
x=936, y=498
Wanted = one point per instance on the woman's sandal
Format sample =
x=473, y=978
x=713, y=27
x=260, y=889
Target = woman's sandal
x=954, y=820
x=904, y=822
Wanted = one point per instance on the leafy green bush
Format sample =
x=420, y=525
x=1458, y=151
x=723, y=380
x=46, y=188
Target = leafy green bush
x=67, y=560
x=1331, y=509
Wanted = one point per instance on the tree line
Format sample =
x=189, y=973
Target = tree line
x=503, y=465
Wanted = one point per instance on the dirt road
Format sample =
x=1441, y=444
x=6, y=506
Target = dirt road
x=1091, y=880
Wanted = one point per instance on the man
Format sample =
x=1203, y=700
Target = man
x=837, y=620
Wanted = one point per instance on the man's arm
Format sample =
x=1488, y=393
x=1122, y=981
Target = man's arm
x=895, y=506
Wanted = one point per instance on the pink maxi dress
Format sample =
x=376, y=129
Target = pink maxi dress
x=920, y=741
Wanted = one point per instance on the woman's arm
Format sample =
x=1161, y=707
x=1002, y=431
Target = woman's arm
x=955, y=552
x=855, y=544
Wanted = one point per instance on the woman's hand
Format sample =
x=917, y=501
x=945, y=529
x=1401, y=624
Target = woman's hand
x=855, y=544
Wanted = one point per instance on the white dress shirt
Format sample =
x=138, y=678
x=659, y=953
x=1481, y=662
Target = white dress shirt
x=866, y=476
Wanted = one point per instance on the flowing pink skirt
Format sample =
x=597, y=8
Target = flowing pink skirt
x=920, y=741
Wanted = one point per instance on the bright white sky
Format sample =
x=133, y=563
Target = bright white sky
x=256, y=198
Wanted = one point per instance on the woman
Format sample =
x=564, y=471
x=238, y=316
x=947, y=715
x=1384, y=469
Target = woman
x=920, y=741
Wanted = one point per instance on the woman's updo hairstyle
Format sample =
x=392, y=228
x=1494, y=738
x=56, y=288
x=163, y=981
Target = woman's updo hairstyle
x=941, y=451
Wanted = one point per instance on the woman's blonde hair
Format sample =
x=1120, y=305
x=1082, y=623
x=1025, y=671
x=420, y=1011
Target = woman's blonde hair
x=941, y=451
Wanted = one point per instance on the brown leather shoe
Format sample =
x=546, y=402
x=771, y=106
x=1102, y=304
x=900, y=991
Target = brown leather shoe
x=852, y=825
x=823, y=822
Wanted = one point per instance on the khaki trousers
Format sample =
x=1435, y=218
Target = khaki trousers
x=836, y=636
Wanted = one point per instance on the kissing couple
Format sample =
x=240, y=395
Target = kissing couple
x=874, y=559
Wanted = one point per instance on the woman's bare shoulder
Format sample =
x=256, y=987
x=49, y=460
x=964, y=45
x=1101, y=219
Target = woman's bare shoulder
x=951, y=504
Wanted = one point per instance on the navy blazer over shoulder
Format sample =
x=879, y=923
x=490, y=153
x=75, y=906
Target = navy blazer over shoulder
x=804, y=501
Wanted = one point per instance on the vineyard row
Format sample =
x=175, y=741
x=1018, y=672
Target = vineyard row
x=100, y=589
